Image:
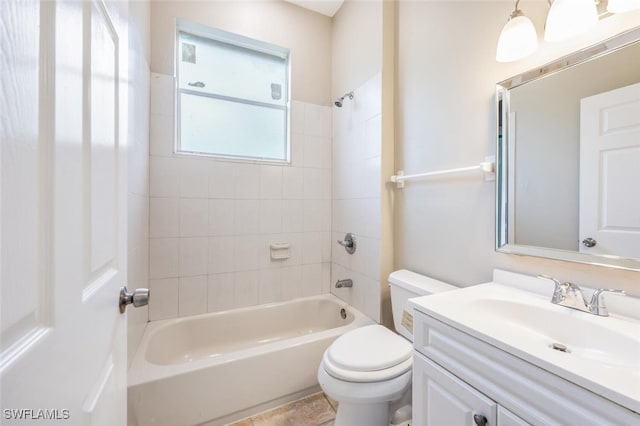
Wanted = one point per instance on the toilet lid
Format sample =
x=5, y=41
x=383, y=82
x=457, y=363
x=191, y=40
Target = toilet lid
x=369, y=348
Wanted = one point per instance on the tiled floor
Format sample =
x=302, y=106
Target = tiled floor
x=314, y=410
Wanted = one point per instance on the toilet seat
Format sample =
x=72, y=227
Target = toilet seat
x=368, y=354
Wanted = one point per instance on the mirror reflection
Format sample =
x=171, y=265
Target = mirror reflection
x=569, y=157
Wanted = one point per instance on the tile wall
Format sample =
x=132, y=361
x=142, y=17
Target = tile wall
x=357, y=160
x=212, y=221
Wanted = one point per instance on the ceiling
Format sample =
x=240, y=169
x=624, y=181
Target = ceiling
x=325, y=7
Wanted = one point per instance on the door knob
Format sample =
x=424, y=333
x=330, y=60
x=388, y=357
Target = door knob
x=479, y=420
x=589, y=242
x=139, y=297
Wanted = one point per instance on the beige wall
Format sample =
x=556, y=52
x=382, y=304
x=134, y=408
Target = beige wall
x=356, y=44
x=306, y=33
x=446, y=118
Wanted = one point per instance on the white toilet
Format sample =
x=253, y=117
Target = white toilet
x=367, y=370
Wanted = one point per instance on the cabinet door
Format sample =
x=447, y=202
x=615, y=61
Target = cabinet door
x=439, y=398
x=507, y=418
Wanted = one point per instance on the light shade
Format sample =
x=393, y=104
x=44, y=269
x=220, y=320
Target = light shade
x=569, y=18
x=621, y=6
x=517, y=39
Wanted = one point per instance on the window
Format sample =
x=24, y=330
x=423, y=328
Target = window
x=232, y=95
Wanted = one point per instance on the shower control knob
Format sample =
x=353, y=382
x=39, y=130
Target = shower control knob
x=349, y=243
x=589, y=242
x=139, y=297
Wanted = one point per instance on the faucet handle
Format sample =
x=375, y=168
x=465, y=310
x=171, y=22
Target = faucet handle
x=597, y=305
x=558, y=292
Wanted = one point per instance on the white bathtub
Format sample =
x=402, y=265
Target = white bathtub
x=220, y=367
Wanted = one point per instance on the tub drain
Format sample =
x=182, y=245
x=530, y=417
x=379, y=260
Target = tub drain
x=343, y=313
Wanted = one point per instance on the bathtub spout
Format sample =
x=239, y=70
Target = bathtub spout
x=344, y=283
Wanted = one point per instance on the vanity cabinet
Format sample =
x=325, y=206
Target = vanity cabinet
x=457, y=376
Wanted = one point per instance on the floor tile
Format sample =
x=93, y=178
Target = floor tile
x=314, y=410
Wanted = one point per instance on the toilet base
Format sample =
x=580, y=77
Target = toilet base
x=362, y=414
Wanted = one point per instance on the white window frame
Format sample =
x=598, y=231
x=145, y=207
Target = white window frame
x=199, y=30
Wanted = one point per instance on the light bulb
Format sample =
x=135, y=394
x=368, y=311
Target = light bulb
x=621, y=6
x=518, y=38
x=569, y=18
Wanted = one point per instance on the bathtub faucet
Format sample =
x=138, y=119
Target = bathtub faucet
x=344, y=283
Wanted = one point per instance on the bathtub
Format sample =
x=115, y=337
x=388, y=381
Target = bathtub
x=220, y=367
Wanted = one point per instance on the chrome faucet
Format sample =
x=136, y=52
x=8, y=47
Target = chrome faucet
x=344, y=283
x=570, y=295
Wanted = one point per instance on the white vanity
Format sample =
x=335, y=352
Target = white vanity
x=502, y=354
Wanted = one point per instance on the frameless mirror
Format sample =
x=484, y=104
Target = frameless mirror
x=568, y=157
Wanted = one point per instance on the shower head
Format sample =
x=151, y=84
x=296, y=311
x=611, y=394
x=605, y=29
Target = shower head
x=338, y=102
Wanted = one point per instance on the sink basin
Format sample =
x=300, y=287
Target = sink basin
x=573, y=333
x=601, y=354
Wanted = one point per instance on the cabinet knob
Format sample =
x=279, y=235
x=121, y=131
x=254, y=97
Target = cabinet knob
x=480, y=420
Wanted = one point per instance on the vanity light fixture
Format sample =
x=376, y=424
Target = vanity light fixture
x=569, y=18
x=621, y=6
x=566, y=19
x=518, y=38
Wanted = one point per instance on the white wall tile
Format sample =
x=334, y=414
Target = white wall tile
x=292, y=183
x=292, y=216
x=221, y=179
x=317, y=120
x=271, y=182
x=312, y=215
x=193, y=256
x=247, y=217
x=270, y=285
x=270, y=216
x=291, y=282
x=326, y=283
x=247, y=252
x=312, y=248
x=327, y=182
x=297, y=149
x=192, y=298
x=161, y=136
x=164, y=177
x=194, y=176
x=212, y=220
x=312, y=183
x=220, y=292
x=162, y=93
x=313, y=151
x=222, y=217
x=221, y=255
x=297, y=117
x=164, y=255
x=164, y=299
x=373, y=137
x=295, y=250
x=247, y=290
x=164, y=217
x=246, y=178
x=311, y=279
x=194, y=217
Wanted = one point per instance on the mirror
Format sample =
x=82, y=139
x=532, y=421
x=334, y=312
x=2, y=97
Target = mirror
x=568, y=157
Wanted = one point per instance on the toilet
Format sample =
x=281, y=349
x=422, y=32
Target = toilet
x=368, y=370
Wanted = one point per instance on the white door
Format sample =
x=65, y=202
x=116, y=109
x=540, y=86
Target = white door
x=440, y=398
x=610, y=173
x=63, y=209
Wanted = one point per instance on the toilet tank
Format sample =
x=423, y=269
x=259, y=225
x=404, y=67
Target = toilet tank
x=404, y=286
